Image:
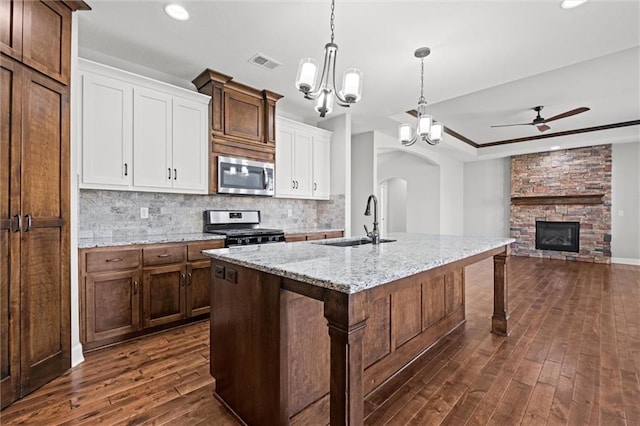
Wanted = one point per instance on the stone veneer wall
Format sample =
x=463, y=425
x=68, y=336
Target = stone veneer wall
x=582, y=171
x=117, y=213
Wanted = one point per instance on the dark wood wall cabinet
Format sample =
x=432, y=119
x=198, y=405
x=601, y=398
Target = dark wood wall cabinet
x=35, y=46
x=242, y=121
x=130, y=291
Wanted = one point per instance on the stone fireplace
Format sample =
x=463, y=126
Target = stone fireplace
x=571, y=187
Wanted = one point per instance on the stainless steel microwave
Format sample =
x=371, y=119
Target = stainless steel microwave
x=246, y=177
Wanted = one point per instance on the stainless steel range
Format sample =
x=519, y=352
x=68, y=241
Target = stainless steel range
x=241, y=227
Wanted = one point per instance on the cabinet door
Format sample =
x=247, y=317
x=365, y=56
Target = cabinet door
x=198, y=288
x=321, y=168
x=303, y=164
x=284, y=162
x=164, y=294
x=152, y=139
x=45, y=276
x=107, y=132
x=46, y=38
x=112, y=304
x=11, y=28
x=243, y=115
x=10, y=136
x=190, y=153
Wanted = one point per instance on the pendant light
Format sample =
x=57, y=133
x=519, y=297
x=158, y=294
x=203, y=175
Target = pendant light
x=324, y=92
x=427, y=130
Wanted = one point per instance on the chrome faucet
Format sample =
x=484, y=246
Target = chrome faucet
x=375, y=233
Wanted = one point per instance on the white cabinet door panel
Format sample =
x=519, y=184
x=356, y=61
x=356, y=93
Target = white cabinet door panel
x=106, y=131
x=284, y=162
x=152, y=139
x=190, y=145
x=303, y=164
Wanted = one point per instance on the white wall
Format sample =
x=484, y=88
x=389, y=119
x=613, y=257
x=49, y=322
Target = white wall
x=422, y=191
x=76, y=346
x=625, y=203
x=341, y=161
x=487, y=197
x=363, y=180
x=396, y=205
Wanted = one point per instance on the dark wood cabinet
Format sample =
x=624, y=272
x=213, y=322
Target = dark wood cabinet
x=116, y=308
x=35, y=46
x=242, y=120
x=134, y=290
x=310, y=236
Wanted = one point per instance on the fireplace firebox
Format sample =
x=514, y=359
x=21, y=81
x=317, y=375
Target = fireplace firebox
x=559, y=236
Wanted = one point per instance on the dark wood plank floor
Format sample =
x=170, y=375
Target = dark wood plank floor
x=573, y=358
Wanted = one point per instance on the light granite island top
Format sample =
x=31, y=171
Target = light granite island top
x=309, y=329
x=356, y=268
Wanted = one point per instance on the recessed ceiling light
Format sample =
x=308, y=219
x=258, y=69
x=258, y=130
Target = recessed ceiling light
x=570, y=4
x=177, y=12
x=555, y=148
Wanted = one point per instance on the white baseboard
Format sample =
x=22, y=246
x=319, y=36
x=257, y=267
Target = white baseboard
x=76, y=355
x=625, y=261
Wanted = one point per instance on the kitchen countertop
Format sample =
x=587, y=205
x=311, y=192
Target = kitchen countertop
x=145, y=239
x=354, y=269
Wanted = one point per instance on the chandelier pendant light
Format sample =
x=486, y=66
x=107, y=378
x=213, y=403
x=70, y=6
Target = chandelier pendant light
x=427, y=130
x=324, y=92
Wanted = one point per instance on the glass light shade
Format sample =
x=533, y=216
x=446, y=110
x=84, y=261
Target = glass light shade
x=404, y=133
x=324, y=103
x=436, y=132
x=424, y=125
x=352, y=85
x=307, y=71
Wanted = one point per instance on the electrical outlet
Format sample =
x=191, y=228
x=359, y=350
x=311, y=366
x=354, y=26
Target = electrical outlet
x=620, y=213
x=144, y=212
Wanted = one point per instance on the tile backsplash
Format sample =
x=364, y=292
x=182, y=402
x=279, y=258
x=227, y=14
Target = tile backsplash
x=117, y=213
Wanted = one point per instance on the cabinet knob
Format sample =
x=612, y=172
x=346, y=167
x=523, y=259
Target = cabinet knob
x=183, y=278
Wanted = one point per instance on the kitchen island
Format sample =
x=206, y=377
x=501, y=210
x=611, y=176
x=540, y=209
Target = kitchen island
x=302, y=332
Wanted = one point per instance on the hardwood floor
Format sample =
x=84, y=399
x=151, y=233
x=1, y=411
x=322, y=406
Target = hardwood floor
x=573, y=357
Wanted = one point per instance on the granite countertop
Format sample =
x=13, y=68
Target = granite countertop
x=145, y=239
x=354, y=269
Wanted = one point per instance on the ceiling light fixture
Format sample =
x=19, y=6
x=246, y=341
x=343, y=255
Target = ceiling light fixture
x=570, y=4
x=177, y=12
x=325, y=90
x=427, y=130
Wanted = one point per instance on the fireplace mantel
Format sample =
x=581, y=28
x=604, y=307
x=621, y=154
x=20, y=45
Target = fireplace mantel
x=558, y=199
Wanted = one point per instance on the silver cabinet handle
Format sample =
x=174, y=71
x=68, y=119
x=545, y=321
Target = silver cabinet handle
x=28, y=219
x=115, y=259
x=164, y=255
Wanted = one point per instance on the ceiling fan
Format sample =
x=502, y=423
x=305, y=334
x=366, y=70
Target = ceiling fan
x=541, y=123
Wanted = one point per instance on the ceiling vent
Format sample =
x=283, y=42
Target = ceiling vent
x=264, y=61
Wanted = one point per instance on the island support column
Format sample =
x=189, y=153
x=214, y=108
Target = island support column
x=499, y=320
x=346, y=315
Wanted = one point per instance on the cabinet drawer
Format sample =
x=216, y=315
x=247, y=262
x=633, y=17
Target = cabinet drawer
x=163, y=255
x=111, y=260
x=194, y=249
x=334, y=234
x=315, y=236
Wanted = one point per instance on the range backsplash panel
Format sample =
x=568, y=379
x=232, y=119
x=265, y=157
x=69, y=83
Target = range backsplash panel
x=105, y=214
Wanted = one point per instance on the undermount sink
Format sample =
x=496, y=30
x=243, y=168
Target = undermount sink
x=351, y=243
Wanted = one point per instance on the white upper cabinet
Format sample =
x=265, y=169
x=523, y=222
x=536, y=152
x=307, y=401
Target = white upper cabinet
x=302, y=160
x=140, y=134
x=106, y=124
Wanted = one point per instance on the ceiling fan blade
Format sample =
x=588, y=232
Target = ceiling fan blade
x=567, y=114
x=543, y=127
x=509, y=125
